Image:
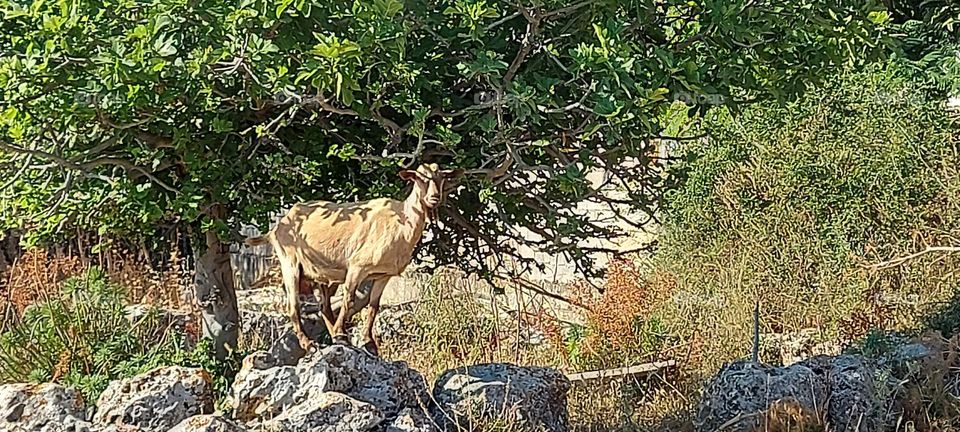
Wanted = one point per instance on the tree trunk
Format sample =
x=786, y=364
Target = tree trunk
x=214, y=287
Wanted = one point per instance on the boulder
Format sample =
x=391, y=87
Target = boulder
x=259, y=393
x=327, y=412
x=853, y=405
x=41, y=407
x=274, y=333
x=389, y=386
x=265, y=388
x=207, y=423
x=412, y=420
x=394, y=323
x=521, y=398
x=157, y=400
x=745, y=395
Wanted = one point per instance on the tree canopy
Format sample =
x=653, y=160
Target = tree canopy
x=121, y=115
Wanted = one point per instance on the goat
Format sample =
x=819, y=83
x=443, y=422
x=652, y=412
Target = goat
x=350, y=243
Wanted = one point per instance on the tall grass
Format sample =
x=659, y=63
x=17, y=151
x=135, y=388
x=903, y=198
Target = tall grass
x=80, y=335
x=790, y=205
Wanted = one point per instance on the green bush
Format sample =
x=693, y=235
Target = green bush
x=792, y=204
x=82, y=338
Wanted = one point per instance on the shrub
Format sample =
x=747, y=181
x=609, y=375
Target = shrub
x=621, y=327
x=82, y=337
x=790, y=204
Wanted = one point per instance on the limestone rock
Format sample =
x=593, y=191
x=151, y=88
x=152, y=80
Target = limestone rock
x=157, y=400
x=745, y=395
x=389, y=386
x=207, y=423
x=263, y=392
x=853, y=403
x=41, y=407
x=327, y=412
x=265, y=388
x=412, y=420
x=530, y=398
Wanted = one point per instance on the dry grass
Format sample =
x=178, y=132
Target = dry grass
x=37, y=274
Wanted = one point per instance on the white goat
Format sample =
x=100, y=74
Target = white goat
x=349, y=243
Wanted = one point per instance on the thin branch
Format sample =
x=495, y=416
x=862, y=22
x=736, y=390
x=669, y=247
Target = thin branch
x=325, y=104
x=566, y=10
x=85, y=167
x=533, y=29
x=902, y=260
x=19, y=173
x=500, y=21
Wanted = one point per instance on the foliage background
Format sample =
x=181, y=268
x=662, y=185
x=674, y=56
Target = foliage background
x=793, y=205
x=122, y=117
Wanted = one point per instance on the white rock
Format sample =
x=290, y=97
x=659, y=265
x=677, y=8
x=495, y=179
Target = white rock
x=157, y=400
x=524, y=398
x=327, y=412
x=41, y=407
x=207, y=423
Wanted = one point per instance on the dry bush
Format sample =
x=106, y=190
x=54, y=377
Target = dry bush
x=35, y=276
x=37, y=273
x=622, y=327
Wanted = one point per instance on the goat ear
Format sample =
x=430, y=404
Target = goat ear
x=453, y=174
x=408, y=175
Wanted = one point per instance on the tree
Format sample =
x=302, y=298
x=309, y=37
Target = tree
x=120, y=115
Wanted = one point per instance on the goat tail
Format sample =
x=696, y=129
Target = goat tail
x=256, y=241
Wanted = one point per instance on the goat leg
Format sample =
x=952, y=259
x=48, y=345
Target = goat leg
x=350, y=285
x=291, y=282
x=373, y=308
x=323, y=294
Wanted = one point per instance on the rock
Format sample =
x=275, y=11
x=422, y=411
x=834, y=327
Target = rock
x=265, y=388
x=274, y=333
x=784, y=349
x=389, y=386
x=329, y=412
x=913, y=370
x=393, y=323
x=207, y=423
x=259, y=392
x=745, y=395
x=157, y=400
x=531, y=398
x=412, y=420
x=853, y=403
x=41, y=407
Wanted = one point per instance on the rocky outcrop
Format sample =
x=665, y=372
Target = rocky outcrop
x=852, y=403
x=41, y=407
x=337, y=388
x=157, y=400
x=745, y=395
x=521, y=398
x=207, y=423
x=371, y=388
x=328, y=411
x=844, y=393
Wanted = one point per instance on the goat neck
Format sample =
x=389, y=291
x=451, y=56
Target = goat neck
x=415, y=214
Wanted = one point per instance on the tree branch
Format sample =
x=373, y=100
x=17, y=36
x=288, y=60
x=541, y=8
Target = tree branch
x=85, y=167
x=902, y=260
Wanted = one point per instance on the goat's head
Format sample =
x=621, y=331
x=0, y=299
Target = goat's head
x=429, y=181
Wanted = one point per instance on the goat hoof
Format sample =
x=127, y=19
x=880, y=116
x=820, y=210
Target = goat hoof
x=372, y=349
x=307, y=345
